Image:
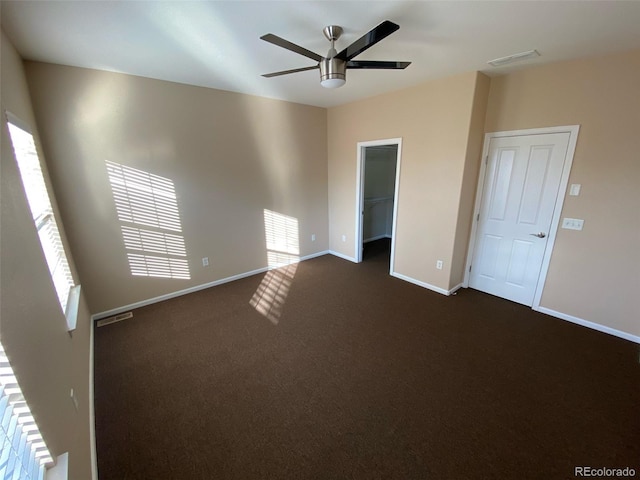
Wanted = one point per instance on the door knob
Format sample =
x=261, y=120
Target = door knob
x=539, y=235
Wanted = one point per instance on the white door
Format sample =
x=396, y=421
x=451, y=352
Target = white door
x=521, y=185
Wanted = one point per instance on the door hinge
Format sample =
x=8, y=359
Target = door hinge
x=477, y=217
x=486, y=160
x=469, y=268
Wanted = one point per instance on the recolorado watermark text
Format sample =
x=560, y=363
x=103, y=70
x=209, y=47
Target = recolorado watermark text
x=585, y=471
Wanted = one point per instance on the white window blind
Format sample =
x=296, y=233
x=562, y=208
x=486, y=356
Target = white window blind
x=24, y=454
x=41, y=210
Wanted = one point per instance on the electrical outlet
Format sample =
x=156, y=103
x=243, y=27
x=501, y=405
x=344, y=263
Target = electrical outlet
x=344, y=238
x=205, y=261
x=439, y=264
x=313, y=237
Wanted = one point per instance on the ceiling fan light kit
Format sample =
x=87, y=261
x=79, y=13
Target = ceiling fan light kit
x=333, y=67
x=333, y=72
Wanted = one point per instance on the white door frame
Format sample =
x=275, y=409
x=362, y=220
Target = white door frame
x=557, y=209
x=360, y=195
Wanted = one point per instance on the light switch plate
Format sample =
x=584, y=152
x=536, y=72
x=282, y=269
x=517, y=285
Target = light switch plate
x=572, y=223
x=574, y=190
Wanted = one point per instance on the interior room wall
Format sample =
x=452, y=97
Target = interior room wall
x=434, y=121
x=230, y=156
x=469, y=183
x=48, y=362
x=593, y=274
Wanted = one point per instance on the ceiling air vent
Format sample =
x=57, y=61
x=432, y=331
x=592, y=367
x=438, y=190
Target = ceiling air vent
x=117, y=318
x=516, y=57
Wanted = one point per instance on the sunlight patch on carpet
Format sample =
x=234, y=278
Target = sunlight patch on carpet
x=283, y=254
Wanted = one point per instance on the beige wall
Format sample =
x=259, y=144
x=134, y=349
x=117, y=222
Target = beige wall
x=435, y=123
x=594, y=273
x=229, y=155
x=469, y=182
x=47, y=361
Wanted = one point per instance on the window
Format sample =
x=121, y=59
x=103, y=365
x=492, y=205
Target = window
x=23, y=453
x=42, y=212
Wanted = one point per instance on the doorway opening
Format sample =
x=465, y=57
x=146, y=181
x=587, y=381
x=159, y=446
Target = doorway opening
x=377, y=199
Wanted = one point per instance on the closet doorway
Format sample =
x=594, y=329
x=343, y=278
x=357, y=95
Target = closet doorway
x=377, y=195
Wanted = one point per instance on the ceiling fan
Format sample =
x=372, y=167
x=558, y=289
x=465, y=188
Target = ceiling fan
x=333, y=67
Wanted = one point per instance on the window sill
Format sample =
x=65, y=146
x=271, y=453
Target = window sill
x=61, y=469
x=73, y=305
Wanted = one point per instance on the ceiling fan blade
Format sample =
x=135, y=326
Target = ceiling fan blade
x=281, y=42
x=368, y=40
x=286, y=72
x=378, y=64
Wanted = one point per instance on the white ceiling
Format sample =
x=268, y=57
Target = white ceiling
x=217, y=43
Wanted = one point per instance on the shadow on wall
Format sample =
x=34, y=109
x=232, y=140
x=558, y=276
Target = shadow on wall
x=146, y=200
x=283, y=254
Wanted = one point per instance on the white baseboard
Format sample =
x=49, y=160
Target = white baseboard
x=588, y=324
x=343, y=256
x=314, y=255
x=424, y=284
x=196, y=288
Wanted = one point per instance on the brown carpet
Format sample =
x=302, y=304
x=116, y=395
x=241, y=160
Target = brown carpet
x=354, y=374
